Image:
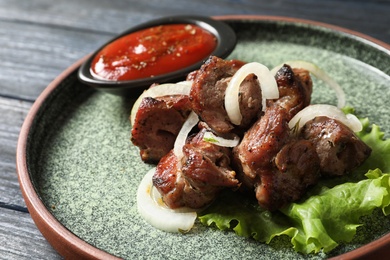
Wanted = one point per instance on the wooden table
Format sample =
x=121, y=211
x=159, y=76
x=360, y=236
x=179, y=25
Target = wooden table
x=41, y=38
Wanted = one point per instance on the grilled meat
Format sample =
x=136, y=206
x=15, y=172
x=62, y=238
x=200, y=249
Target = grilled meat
x=296, y=167
x=337, y=146
x=196, y=179
x=269, y=159
x=208, y=94
x=157, y=123
x=273, y=163
x=295, y=88
x=260, y=145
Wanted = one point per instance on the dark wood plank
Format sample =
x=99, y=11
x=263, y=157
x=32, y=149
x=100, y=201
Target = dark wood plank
x=114, y=16
x=20, y=239
x=9, y=188
x=12, y=114
x=31, y=60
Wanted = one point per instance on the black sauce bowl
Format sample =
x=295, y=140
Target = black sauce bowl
x=226, y=41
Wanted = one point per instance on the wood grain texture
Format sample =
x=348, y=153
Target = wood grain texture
x=31, y=60
x=41, y=38
x=12, y=114
x=20, y=239
x=115, y=16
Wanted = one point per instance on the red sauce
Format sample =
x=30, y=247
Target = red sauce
x=153, y=51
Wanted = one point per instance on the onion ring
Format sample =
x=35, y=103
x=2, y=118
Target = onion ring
x=180, y=141
x=268, y=85
x=151, y=207
x=312, y=111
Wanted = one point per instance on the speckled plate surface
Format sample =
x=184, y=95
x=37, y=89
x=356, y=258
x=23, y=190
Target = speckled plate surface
x=79, y=171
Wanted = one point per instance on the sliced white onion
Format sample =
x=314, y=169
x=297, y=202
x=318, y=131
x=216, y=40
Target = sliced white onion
x=180, y=88
x=268, y=85
x=220, y=141
x=318, y=73
x=180, y=141
x=312, y=111
x=151, y=207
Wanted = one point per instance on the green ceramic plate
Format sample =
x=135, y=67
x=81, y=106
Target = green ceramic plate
x=79, y=171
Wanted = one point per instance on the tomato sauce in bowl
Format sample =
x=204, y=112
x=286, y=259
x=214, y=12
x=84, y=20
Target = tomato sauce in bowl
x=153, y=51
x=159, y=51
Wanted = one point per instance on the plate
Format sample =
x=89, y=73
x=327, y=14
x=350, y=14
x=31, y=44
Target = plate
x=79, y=172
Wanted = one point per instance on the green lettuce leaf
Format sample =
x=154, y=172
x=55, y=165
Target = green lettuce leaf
x=327, y=216
x=374, y=138
x=332, y=216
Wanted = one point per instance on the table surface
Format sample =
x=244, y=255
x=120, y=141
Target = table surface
x=41, y=38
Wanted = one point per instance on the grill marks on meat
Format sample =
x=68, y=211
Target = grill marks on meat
x=295, y=88
x=296, y=168
x=208, y=93
x=261, y=143
x=169, y=181
x=339, y=149
x=157, y=123
x=276, y=165
x=197, y=178
x=272, y=162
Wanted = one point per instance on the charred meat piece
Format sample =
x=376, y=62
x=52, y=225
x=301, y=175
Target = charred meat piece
x=295, y=88
x=169, y=181
x=207, y=163
x=260, y=144
x=276, y=165
x=197, y=178
x=208, y=93
x=157, y=123
x=296, y=168
x=337, y=146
